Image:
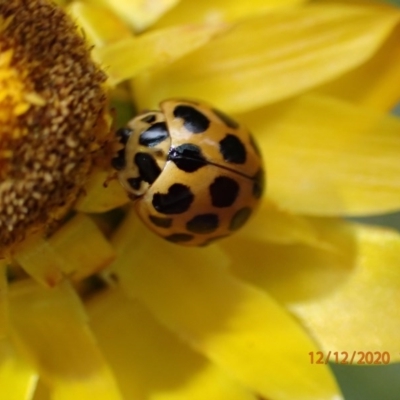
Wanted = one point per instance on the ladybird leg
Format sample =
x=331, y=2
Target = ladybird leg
x=133, y=196
x=111, y=177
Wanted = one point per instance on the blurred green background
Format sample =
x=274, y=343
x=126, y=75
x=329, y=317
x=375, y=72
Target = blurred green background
x=369, y=382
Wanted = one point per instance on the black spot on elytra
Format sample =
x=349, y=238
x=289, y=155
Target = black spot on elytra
x=258, y=183
x=148, y=167
x=179, y=237
x=240, y=218
x=156, y=134
x=187, y=157
x=232, y=149
x=123, y=134
x=203, y=223
x=193, y=120
x=119, y=162
x=149, y=118
x=254, y=145
x=223, y=191
x=134, y=183
x=176, y=201
x=161, y=222
x=226, y=119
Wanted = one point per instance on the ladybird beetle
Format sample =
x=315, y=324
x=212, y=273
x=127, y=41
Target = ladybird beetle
x=195, y=174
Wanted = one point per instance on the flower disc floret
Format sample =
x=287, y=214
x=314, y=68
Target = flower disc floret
x=52, y=113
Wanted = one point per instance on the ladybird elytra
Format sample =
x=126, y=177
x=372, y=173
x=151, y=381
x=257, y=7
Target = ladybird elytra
x=194, y=173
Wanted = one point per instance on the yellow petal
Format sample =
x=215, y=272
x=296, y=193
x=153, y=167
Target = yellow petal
x=138, y=13
x=240, y=329
x=77, y=249
x=272, y=57
x=363, y=313
x=295, y=272
x=327, y=157
x=98, y=198
x=17, y=378
x=41, y=392
x=82, y=247
x=272, y=224
x=375, y=83
x=99, y=24
x=50, y=327
x=37, y=257
x=126, y=58
x=141, y=351
x=219, y=10
x=3, y=300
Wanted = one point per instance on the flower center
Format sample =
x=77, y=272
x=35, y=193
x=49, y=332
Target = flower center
x=52, y=104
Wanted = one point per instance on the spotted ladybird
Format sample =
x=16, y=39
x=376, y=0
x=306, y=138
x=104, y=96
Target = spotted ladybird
x=194, y=173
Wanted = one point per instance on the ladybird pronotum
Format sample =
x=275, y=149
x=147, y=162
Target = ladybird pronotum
x=195, y=175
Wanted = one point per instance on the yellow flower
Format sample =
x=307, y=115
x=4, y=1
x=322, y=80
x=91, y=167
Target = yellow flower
x=52, y=116
x=130, y=316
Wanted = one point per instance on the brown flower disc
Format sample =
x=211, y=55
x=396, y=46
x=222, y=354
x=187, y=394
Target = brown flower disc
x=52, y=115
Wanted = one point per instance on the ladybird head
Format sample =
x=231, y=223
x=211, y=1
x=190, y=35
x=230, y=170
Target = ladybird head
x=145, y=143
